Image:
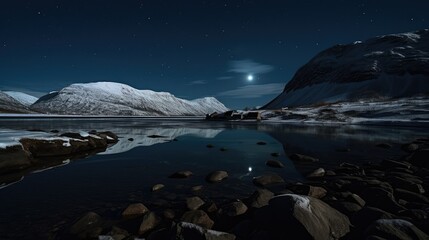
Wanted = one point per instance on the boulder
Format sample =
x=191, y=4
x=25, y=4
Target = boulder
x=134, y=210
x=265, y=180
x=275, y=164
x=157, y=187
x=260, y=198
x=380, y=198
x=395, y=229
x=193, y=203
x=87, y=226
x=320, y=172
x=235, y=209
x=302, y=217
x=411, y=196
x=312, y=191
x=367, y=215
x=186, y=230
x=198, y=217
x=150, y=221
x=14, y=158
x=420, y=158
x=181, y=174
x=216, y=176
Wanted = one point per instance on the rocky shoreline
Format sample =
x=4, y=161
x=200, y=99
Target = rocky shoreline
x=384, y=200
x=38, y=153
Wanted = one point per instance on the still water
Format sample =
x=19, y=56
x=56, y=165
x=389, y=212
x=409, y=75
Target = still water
x=48, y=200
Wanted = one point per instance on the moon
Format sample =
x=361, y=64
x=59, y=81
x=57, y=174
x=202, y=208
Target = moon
x=249, y=77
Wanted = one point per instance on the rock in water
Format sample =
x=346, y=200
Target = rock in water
x=395, y=229
x=185, y=230
x=134, y=210
x=198, y=217
x=265, y=180
x=193, y=203
x=260, y=198
x=216, y=176
x=150, y=221
x=157, y=187
x=275, y=164
x=87, y=225
x=235, y=209
x=302, y=217
x=181, y=174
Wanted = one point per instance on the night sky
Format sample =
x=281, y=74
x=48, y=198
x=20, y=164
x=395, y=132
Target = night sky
x=189, y=48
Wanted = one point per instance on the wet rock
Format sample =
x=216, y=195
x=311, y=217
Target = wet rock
x=186, y=230
x=347, y=208
x=275, y=164
x=157, y=187
x=302, y=217
x=235, y=209
x=210, y=207
x=109, y=136
x=261, y=143
x=354, y=198
x=393, y=164
x=193, y=203
x=134, y=210
x=88, y=225
x=395, y=229
x=181, y=174
x=417, y=214
x=320, y=172
x=260, y=198
x=411, y=196
x=410, y=147
x=198, y=217
x=312, y=191
x=197, y=188
x=169, y=214
x=216, y=176
x=150, y=221
x=130, y=139
x=367, y=215
x=380, y=198
x=402, y=183
x=265, y=180
x=384, y=145
x=209, y=146
x=419, y=158
x=14, y=158
x=117, y=234
x=302, y=158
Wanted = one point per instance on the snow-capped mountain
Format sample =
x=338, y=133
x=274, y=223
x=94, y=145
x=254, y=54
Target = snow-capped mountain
x=110, y=98
x=10, y=105
x=21, y=97
x=390, y=66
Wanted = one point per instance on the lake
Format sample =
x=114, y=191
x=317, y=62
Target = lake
x=43, y=203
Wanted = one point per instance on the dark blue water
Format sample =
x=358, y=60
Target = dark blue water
x=49, y=200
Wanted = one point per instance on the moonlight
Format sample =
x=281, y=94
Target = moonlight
x=249, y=77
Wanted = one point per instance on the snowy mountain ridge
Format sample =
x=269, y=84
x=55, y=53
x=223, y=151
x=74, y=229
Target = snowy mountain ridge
x=389, y=66
x=9, y=105
x=110, y=98
x=21, y=97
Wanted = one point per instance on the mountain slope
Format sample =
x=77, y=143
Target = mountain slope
x=10, y=105
x=23, y=98
x=109, y=98
x=389, y=66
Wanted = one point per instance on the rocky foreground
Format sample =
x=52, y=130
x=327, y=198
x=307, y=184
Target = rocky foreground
x=386, y=200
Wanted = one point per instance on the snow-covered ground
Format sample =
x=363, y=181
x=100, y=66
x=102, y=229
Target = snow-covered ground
x=405, y=111
x=9, y=137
